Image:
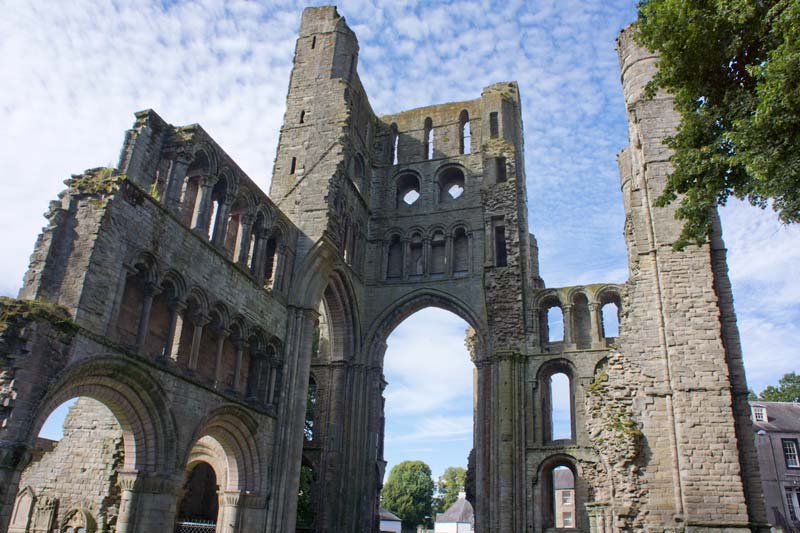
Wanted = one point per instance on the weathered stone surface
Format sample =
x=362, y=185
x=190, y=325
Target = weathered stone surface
x=199, y=313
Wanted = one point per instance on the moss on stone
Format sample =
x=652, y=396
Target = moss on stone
x=96, y=182
x=13, y=310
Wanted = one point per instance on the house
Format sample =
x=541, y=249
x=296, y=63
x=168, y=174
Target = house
x=564, y=495
x=777, y=428
x=458, y=518
x=389, y=522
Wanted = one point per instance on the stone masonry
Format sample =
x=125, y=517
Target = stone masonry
x=223, y=341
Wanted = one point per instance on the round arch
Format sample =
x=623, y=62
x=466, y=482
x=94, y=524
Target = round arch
x=415, y=301
x=136, y=400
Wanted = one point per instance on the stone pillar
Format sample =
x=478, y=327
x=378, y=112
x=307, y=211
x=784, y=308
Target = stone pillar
x=426, y=258
x=406, y=258
x=448, y=256
x=597, y=337
x=228, y=516
x=170, y=346
x=243, y=240
x=241, y=346
x=150, y=290
x=197, y=335
x=129, y=482
x=569, y=342
x=222, y=334
x=291, y=411
x=202, y=207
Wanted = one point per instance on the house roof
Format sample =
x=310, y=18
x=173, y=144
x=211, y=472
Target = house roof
x=782, y=417
x=388, y=516
x=460, y=512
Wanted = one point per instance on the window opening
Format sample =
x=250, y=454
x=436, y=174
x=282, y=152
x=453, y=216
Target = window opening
x=465, y=135
x=417, y=258
x=610, y=319
x=790, y=453
x=501, y=258
x=407, y=190
x=428, y=138
x=438, y=252
x=560, y=407
x=759, y=414
x=313, y=42
x=563, y=497
x=500, y=169
x=460, y=251
x=555, y=324
x=494, y=129
x=394, y=263
x=451, y=184
x=305, y=497
x=395, y=141
x=311, y=406
x=793, y=503
x=302, y=117
x=200, y=503
x=581, y=322
x=293, y=165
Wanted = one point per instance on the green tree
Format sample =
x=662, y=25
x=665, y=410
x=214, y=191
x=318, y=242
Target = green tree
x=451, y=482
x=408, y=493
x=788, y=390
x=733, y=67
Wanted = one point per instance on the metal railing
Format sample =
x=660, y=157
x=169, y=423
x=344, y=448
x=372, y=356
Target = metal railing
x=195, y=526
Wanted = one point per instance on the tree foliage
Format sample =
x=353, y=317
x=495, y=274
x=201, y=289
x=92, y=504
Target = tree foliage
x=305, y=497
x=733, y=67
x=450, y=483
x=408, y=493
x=788, y=390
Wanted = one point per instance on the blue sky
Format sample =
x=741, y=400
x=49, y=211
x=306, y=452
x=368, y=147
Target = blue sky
x=74, y=73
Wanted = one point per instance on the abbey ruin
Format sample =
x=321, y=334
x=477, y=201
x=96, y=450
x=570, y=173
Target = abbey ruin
x=191, y=314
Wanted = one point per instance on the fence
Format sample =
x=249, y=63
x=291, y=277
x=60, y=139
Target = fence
x=195, y=526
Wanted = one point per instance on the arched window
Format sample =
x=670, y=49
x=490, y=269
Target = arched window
x=438, y=253
x=417, y=256
x=460, y=251
x=360, y=174
x=394, y=140
x=464, y=133
x=269, y=259
x=428, y=139
x=394, y=262
x=562, y=494
x=581, y=322
x=217, y=222
x=552, y=323
x=233, y=228
x=559, y=407
x=198, y=169
x=256, y=241
x=407, y=190
x=311, y=406
x=609, y=314
x=451, y=184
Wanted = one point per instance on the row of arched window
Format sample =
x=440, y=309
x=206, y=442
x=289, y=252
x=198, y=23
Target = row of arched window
x=429, y=142
x=435, y=253
x=248, y=231
x=160, y=319
x=450, y=186
x=583, y=321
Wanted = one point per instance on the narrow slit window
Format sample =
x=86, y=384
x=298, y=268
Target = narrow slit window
x=302, y=117
x=555, y=324
x=610, y=319
x=500, y=169
x=293, y=166
x=394, y=141
x=560, y=407
x=313, y=42
x=465, y=136
x=494, y=128
x=501, y=258
x=428, y=139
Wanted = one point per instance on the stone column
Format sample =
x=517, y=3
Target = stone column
x=596, y=326
x=243, y=240
x=566, y=310
x=202, y=207
x=291, y=411
x=426, y=258
x=150, y=290
x=197, y=335
x=406, y=258
x=170, y=346
x=222, y=334
x=129, y=482
x=241, y=346
x=448, y=256
x=228, y=515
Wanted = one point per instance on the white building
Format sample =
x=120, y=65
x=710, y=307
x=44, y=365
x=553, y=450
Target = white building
x=390, y=523
x=458, y=518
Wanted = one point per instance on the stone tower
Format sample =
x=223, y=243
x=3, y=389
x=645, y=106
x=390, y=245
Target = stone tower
x=238, y=339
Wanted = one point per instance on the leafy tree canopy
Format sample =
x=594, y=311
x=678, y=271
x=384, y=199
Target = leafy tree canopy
x=734, y=69
x=408, y=493
x=451, y=482
x=788, y=390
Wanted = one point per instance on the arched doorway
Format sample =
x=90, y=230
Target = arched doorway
x=429, y=404
x=199, y=505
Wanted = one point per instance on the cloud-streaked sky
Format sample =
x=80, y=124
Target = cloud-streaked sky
x=74, y=73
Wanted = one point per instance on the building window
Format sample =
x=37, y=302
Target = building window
x=793, y=503
x=494, y=129
x=759, y=414
x=566, y=497
x=428, y=139
x=293, y=165
x=790, y=453
x=500, y=254
x=568, y=520
x=464, y=133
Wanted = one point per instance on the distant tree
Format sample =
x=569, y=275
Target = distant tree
x=788, y=390
x=733, y=67
x=305, y=497
x=408, y=493
x=451, y=482
x=751, y=396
